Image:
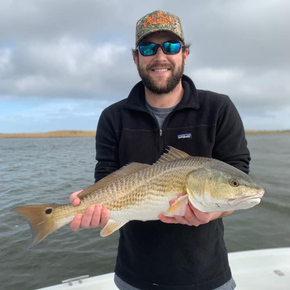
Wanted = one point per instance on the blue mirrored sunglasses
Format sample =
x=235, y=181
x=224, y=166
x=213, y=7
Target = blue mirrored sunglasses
x=168, y=47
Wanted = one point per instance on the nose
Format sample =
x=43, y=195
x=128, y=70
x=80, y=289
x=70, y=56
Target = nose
x=160, y=54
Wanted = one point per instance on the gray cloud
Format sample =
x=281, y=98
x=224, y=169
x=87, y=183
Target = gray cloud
x=81, y=50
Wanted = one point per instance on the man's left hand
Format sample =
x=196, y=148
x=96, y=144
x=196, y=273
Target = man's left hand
x=192, y=216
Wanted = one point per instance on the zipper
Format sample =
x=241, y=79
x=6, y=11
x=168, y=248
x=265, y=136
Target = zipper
x=161, y=137
x=161, y=141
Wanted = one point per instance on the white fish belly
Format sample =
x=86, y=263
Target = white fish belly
x=145, y=210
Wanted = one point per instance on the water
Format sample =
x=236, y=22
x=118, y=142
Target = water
x=46, y=170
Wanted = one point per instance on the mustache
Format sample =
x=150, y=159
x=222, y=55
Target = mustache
x=155, y=66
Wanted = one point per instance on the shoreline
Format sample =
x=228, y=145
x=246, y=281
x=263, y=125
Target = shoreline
x=80, y=134
x=51, y=134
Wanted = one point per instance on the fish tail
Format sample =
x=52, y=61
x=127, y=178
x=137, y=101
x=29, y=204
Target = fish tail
x=41, y=220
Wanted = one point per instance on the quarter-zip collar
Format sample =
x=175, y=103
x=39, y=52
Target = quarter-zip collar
x=190, y=99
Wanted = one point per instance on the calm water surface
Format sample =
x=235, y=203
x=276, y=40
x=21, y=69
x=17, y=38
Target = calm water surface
x=49, y=170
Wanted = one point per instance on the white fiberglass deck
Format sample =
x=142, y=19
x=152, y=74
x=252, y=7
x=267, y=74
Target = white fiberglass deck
x=252, y=270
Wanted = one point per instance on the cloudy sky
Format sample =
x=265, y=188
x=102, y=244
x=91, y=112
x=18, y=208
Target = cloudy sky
x=63, y=61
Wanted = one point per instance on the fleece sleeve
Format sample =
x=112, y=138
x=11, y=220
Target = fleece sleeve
x=231, y=144
x=106, y=147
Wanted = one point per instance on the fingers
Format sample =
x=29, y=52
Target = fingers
x=189, y=218
x=189, y=221
x=76, y=223
x=88, y=216
x=105, y=217
x=202, y=217
x=74, y=198
x=100, y=217
x=167, y=220
x=94, y=216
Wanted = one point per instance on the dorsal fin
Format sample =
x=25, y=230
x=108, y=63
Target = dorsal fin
x=120, y=173
x=171, y=155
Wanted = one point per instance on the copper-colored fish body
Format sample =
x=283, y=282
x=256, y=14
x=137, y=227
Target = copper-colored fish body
x=141, y=192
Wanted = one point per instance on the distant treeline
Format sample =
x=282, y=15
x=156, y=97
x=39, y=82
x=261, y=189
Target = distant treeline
x=75, y=133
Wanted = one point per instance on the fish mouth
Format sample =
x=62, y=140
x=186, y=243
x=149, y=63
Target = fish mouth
x=252, y=199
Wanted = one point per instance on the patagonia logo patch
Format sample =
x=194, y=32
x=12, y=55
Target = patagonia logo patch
x=184, y=136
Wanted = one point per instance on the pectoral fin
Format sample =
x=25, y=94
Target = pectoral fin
x=111, y=227
x=179, y=207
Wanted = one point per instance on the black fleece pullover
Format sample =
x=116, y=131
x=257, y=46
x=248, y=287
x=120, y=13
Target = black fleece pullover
x=154, y=255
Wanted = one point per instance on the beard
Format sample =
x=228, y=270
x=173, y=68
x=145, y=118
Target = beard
x=170, y=84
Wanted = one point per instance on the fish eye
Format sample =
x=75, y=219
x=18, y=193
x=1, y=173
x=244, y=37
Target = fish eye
x=234, y=183
x=48, y=211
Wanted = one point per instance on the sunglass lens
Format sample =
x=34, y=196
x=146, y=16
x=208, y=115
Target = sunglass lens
x=148, y=49
x=171, y=47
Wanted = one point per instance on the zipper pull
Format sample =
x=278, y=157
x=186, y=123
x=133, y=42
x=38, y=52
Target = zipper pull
x=160, y=132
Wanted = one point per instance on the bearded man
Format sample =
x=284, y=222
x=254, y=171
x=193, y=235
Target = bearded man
x=165, y=109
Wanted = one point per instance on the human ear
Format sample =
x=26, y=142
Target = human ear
x=135, y=56
x=185, y=54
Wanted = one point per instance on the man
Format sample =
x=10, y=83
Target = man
x=182, y=252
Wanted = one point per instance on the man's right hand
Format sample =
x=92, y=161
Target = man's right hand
x=95, y=215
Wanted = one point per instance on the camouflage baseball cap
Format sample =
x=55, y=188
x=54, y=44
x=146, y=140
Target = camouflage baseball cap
x=158, y=21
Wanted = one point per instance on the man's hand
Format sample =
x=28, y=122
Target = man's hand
x=192, y=216
x=95, y=215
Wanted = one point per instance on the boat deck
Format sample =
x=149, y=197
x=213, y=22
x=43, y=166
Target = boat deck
x=252, y=270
